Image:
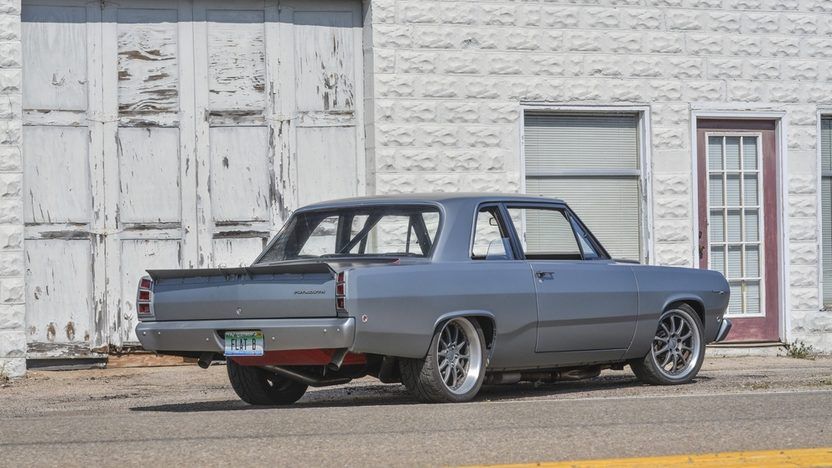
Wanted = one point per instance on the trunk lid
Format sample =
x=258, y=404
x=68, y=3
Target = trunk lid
x=285, y=290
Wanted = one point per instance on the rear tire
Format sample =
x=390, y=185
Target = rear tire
x=676, y=351
x=454, y=369
x=256, y=386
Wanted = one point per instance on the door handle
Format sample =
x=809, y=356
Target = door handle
x=542, y=275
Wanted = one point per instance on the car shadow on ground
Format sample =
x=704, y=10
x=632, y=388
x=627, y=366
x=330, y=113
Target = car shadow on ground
x=393, y=394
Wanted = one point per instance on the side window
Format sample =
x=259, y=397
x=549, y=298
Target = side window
x=586, y=245
x=491, y=240
x=545, y=234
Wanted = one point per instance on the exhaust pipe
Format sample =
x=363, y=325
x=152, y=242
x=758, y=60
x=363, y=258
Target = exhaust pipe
x=312, y=381
x=205, y=360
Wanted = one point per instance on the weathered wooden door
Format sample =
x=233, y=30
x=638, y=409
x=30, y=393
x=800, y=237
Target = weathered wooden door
x=166, y=134
x=737, y=167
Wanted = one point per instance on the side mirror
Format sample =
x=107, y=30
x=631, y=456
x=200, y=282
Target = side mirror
x=492, y=221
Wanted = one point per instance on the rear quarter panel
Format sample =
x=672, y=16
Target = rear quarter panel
x=402, y=305
x=659, y=287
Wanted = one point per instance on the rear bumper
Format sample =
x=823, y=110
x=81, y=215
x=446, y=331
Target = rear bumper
x=278, y=334
x=724, y=329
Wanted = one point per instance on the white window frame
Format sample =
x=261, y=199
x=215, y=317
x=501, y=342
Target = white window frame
x=760, y=216
x=644, y=173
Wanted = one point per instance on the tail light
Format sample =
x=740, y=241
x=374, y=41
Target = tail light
x=144, y=297
x=341, y=292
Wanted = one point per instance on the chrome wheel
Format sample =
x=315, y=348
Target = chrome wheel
x=459, y=356
x=677, y=344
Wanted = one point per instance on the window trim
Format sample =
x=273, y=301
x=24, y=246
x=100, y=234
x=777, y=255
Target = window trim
x=644, y=173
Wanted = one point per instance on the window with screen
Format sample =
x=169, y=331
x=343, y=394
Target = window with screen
x=593, y=163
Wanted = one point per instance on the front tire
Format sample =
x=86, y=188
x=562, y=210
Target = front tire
x=677, y=350
x=256, y=386
x=454, y=368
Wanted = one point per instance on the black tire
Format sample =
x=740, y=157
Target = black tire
x=648, y=370
x=424, y=380
x=256, y=386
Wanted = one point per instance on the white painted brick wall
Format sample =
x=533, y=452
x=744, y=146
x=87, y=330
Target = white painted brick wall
x=12, y=320
x=448, y=78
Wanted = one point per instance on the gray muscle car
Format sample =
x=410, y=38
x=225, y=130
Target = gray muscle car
x=441, y=292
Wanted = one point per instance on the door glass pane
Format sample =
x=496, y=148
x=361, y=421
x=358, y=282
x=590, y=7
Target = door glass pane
x=752, y=226
x=734, y=262
x=718, y=258
x=733, y=192
x=752, y=261
x=734, y=226
x=715, y=153
x=715, y=190
x=735, y=303
x=749, y=153
x=717, y=226
x=732, y=153
x=751, y=196
x=752, y=297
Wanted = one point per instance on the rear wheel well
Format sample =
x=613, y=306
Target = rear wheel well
x=695, y=305
x=488, y=329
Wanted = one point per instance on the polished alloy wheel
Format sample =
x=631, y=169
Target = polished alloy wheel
x=459, y=356
x=676, y=346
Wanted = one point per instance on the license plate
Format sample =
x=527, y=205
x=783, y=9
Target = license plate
x=243, y=343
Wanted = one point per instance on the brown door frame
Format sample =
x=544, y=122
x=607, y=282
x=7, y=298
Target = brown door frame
x=766, y=328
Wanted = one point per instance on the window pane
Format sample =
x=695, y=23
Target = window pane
x=715, y=153
x=573, y=141
x=732, y=153
x=749, y=153
x=545, y=234
x=826, y=195
x=715, y=190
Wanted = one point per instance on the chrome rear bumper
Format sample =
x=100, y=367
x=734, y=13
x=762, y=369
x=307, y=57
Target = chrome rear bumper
x=724, y=328
x=278, y=334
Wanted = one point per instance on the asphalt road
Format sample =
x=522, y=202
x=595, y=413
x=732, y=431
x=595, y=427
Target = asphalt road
x=184, y=415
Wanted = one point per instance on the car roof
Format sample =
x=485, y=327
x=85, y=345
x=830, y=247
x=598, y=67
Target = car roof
x=436, y=197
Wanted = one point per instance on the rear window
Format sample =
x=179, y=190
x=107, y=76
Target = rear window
x=396, y=231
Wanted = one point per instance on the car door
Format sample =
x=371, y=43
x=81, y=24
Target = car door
x=585, y=301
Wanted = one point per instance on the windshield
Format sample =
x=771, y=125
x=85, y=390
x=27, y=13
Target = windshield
x=355, y=232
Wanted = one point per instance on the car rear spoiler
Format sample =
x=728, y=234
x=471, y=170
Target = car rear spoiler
x=275, y=269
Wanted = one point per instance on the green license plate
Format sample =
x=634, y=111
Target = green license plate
x=243, y=343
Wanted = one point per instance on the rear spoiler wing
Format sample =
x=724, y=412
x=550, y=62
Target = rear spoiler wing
x=276, y=269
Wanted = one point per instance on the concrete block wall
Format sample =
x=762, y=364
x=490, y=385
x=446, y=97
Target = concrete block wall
x=448, y=78
x=12, y=320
